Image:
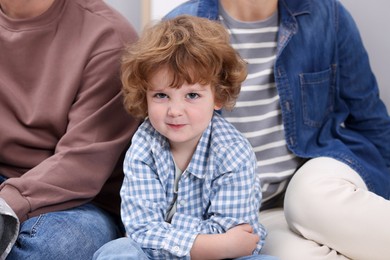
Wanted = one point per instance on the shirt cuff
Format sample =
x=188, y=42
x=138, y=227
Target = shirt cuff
x=9, y=229
x=179, y=243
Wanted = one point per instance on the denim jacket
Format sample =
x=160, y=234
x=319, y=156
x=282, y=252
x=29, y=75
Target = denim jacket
x=328, y=93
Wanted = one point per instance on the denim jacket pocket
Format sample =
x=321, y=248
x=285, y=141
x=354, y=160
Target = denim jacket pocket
x=318, y=97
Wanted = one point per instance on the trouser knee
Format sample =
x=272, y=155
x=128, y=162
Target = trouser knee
x=318, y=188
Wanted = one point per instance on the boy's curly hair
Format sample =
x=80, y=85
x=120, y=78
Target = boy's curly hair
x=193, y=49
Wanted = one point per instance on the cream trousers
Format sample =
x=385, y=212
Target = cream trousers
x=328, y=214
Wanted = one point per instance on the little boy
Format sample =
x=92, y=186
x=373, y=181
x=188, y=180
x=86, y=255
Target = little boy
x=190, y=189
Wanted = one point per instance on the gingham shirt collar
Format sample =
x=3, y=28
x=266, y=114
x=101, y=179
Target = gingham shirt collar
x=198, y=163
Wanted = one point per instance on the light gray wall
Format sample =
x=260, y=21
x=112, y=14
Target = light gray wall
x=370, y=16
x=131, y=9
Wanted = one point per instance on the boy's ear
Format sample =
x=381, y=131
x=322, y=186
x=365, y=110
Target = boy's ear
x=217, y=106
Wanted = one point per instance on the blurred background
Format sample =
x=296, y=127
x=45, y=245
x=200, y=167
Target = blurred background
x=370, y=16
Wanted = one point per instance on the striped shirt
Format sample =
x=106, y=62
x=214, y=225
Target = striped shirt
x=257, y=113
x=218, y=190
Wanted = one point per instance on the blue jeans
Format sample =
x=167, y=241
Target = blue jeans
x=128, y=249
x=71, y=234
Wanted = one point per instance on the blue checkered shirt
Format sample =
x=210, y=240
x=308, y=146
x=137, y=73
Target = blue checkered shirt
x=218, y=190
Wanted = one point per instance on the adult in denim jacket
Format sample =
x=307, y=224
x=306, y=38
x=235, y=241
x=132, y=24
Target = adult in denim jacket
x=332, y=115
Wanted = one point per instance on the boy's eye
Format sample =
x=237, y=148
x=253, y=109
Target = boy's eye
x=192, y=95
x=160, y=95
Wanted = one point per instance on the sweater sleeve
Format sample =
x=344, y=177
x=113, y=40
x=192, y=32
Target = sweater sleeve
x=97, y=131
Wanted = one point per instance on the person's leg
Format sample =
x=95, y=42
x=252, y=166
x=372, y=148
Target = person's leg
x=287, y=245
x=328, y=202
x=122, y=248
x=71, y=234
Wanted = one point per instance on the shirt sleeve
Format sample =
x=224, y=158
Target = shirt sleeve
x=97, y=132
x=234, y=199
x=235, y=195
x=143, y=207
x=9, y=228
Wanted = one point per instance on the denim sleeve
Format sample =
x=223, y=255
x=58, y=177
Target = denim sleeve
x=9, y=228
x=358, y=86
x=207, y=9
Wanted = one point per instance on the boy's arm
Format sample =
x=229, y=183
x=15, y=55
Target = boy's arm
x=144, y=203
x=234, y=200
x=143, y=217
x=236, y=242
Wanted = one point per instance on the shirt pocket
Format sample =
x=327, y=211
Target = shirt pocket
x=318, y=96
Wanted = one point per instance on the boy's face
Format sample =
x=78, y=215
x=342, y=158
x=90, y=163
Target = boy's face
x=182, y=114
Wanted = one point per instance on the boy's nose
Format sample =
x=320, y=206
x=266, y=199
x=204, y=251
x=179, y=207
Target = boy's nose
x=175, y=109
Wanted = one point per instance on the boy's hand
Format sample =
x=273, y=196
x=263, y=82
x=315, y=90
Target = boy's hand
x=241, y=241
x=236, y=242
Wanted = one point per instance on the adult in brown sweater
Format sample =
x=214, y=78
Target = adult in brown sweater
x=63, y=127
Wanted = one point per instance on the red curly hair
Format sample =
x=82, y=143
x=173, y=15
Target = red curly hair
x=193, y=49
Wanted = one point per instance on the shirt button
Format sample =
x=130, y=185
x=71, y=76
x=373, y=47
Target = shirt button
x=176, y=249
x=182, y=202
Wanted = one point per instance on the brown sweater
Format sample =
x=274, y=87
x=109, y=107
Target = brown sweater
x=63, y=126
